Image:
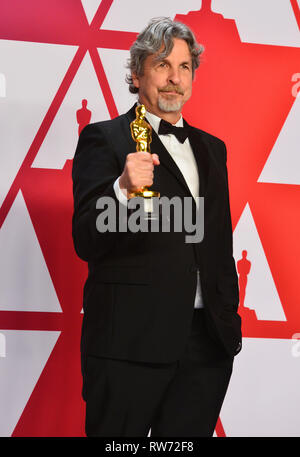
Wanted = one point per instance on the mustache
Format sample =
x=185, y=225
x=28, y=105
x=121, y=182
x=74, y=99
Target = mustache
x=176, y=89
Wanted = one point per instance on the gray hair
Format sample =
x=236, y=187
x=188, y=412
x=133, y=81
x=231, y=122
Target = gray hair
x=160, y=30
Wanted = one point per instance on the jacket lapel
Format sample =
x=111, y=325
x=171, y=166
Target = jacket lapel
x=202, y=155
x=166, y=160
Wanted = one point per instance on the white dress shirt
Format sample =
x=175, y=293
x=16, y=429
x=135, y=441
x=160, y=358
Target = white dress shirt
x=183, y=156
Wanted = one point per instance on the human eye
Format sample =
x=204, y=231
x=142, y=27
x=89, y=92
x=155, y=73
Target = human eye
x=162, y=64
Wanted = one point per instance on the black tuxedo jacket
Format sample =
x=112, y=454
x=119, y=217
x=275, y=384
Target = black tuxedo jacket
x=139, y=295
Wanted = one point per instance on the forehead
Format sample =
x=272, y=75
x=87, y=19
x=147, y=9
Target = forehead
x=180, y=52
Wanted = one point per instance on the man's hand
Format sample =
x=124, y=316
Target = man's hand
x=138, y=171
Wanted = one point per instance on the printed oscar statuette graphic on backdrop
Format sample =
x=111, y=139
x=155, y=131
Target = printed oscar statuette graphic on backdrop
x=243, y=266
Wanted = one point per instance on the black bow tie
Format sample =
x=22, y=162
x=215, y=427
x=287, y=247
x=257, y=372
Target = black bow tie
x=165, y=128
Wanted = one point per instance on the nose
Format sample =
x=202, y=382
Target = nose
x=174, y=77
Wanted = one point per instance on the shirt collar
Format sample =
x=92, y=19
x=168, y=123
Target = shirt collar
x=155, y=121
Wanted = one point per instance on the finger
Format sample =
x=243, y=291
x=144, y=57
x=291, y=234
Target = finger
x=144, y=156
x=155, y=159
x=142, y=180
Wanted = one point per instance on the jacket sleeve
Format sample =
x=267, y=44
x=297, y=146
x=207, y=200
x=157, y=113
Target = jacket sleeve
x=95, y=169
x=227, y=281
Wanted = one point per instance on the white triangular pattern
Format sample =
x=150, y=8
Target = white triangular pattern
x=61, y=140
x=90, y=7
x=131, y=16
x=26, y=355
x=261, y=292
x=268, y=22
x=114, y=63
x=263, y=396
x=283, y=164
x=33, y=73
x=25, y=282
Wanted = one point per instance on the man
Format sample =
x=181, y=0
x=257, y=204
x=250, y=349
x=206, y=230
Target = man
x=160, y=327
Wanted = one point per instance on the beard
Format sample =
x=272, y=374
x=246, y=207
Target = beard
x=169, y=106
x=167, y=103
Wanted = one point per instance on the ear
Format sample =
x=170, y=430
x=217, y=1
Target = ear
x=135, y=80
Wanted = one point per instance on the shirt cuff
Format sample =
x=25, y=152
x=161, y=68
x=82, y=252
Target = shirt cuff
x=119, y=194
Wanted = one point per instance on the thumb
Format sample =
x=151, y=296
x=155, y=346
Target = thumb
x=155, y=159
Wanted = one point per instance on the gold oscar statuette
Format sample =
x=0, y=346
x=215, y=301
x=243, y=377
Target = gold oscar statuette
x=141, y=133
